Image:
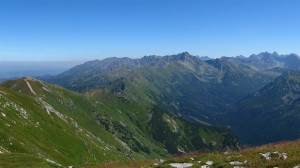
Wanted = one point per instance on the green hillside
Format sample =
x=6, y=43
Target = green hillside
x=53, y=124
x=44, y=124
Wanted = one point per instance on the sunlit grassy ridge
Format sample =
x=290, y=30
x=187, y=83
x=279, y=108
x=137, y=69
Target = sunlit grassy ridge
x=55, y=128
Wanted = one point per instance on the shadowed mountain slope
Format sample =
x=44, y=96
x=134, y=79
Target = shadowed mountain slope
x=271, y=114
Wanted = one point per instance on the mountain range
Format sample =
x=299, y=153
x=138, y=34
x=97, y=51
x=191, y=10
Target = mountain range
x=206, y=91
x=120, y=109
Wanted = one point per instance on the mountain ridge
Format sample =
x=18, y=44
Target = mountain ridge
x=203, y=75
x=266, y=60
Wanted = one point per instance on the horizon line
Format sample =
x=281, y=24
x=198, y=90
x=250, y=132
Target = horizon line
x=133, y=57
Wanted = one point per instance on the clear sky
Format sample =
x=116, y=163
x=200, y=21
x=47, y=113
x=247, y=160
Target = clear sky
x=90, y=29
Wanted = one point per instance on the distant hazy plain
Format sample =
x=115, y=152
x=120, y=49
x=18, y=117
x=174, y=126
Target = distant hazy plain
x=15, y=69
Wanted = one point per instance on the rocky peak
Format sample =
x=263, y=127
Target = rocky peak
x=185, y=55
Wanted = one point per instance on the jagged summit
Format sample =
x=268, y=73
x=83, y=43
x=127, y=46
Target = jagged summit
x=267, y=60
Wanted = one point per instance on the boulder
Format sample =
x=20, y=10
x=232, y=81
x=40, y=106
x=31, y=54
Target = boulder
x=210, y=163
x=235, y=163
x=266, y=156
x=181, y=165
x=204, y=166
x=282, y=156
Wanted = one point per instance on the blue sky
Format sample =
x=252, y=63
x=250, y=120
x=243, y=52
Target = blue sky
x=96, y=29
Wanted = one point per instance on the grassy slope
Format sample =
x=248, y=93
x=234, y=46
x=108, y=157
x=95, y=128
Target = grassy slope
x=73, y=140
x=91, y=128
x=252, y=155
x=127, y=121
x=163, y=129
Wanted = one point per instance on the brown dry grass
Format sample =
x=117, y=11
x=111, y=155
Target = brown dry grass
x=292, y=148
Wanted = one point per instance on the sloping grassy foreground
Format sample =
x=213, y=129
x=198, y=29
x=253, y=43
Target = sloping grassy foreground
x=13, y=160
x=222, y=159
x=44, y=125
